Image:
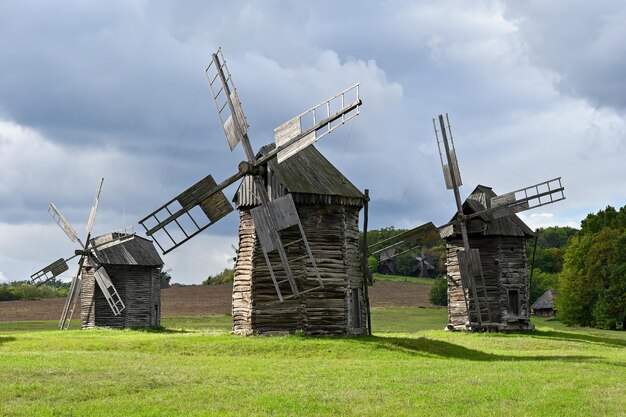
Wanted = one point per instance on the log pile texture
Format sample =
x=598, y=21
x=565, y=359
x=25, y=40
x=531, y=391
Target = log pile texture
x=336, y=309
x=501, y=244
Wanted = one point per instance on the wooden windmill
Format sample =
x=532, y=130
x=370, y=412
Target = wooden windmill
x=203, y=204
x=88, y=258
x=485, y=214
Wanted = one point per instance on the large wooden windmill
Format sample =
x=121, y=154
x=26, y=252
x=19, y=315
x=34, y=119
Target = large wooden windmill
x=486, y=291
x=203, y=204
x=87, y=258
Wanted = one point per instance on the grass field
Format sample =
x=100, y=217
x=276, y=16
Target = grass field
x=402, y=278
x=409, y=367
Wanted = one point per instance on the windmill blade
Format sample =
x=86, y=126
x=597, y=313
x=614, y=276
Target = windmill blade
x=420, y=234
x=59, y=219
x=72, y=297
x=450, y=164
x=226, y=100
x=233, y=259
x=186, y=215
x=109, y=291
x=537, y=195
x=94, y=207
x=269, y=219
x=308, y=127
x=49, y=272
x=272, y=217
x=70, y=303
x=111, y=238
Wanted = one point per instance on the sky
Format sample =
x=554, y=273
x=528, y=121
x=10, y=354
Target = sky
x=534, y=90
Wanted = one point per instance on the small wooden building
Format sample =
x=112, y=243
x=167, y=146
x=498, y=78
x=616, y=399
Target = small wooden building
x=544, y=306
x=501, y=244
x=134, y=267
x=328, y=206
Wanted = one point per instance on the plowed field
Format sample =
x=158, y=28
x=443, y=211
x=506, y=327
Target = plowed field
x=213, y=299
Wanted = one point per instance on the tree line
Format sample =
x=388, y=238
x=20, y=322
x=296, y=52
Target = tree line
x=24, y=290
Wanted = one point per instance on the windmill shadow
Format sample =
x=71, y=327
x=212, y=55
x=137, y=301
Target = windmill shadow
x=428, y=347
x=4, y=339
x=159, y=329
x=574, y=337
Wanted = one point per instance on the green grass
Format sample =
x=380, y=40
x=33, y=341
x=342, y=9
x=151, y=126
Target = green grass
x=409, y=367
x=401, y=278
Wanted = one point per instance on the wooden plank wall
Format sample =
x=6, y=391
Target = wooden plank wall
x=332, y=233
x=139, y=288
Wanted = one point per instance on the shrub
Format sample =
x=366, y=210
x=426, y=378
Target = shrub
x=439, y=292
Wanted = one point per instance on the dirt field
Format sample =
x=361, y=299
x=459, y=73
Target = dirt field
x=212, y=299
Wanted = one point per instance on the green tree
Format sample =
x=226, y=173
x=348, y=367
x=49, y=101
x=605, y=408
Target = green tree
x=439, y=292
x=227, y=275
x=592, y=286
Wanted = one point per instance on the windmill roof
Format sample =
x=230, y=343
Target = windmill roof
x=307, y=172
x=134, y=250
x=546, y=301
x=480, y=200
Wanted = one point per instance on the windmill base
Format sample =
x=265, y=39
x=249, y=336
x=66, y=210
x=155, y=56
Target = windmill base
x=490, y=327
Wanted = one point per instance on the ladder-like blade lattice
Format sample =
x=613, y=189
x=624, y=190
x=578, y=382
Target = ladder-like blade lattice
x=537, y=195
x=112, y=238
x=71, y=300
x=269, y=219
x=94, y=207
x=188, y=214
x=63, y=223
x=109, y=291
x=226, y=100
x=311, y=125
x=49, y=272
x=421, y=234
x=447, y=170
x=472, y=279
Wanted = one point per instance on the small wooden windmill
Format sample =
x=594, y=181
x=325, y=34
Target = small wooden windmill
x=499, y=306
x=200, y=206
x=87, y=259
x=477, y=302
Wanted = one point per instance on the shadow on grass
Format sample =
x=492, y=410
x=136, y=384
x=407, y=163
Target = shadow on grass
x=159, y=329
x=427, y=347
x=4, y=339
x=577, y=337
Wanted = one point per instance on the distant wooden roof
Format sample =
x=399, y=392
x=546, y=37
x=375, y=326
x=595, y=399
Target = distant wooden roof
x=308, y=176
x=479, y=200
x=546, y=301
x=132, y=251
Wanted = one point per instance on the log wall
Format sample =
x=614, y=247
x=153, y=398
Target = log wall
x=337, y=309
x=503, y=259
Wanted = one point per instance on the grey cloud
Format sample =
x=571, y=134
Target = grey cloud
x=582, y=41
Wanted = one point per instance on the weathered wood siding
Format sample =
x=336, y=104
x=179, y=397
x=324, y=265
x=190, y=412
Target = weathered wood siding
x=140, y=290
x=338, y=308
x=503, y=259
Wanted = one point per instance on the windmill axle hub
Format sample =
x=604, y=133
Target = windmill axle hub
x=248, y=168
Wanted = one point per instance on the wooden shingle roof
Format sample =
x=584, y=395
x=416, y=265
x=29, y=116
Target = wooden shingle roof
x=546, y=301
x=477, y=201
x=132, y=251
x=308, y=176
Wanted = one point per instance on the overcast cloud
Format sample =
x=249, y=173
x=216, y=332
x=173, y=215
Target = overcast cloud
x=534, y=89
